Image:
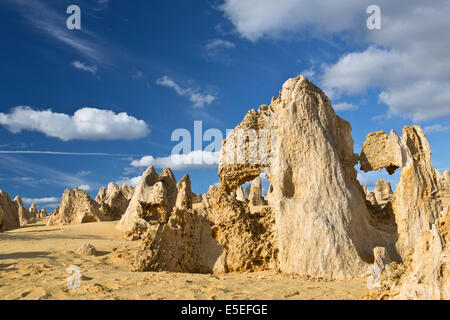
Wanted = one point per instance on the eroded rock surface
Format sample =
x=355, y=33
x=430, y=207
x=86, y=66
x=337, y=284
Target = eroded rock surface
x=255, y=197
x=183, y=243
x=383, y=191
x=323, y=225
x=425, y=273
x=25, y=217
x=9, y=218
x=151, y=204
x=415, y=203
x=114, y=200
x=219, y=236
x=86, y=249
x=77, y=207
x=422, y=225
x=240, y=195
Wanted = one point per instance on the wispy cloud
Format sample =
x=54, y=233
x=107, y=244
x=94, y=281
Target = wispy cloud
x=198, y=99
x=436, y=128
x=82, y=66
x=217, y=49
x=83, y=173
x=345, y=106
x=37, y=175
x=66, y=153
x=30, y=201
x=45, y=18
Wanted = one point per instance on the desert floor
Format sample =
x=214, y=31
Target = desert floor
x=34, y=259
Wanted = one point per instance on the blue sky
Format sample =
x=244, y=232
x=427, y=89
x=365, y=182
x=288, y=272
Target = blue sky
x=97, y=100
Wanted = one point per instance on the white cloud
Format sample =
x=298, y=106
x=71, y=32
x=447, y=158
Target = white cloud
x=254, y=19
x=310, y=73
x=85, y=124
x=129, y=181
x=37, y=201
x=197, y=159
x=82, y=66
x=436, y=128
x=85, y=187
x=198, y=99
x=345, y=106
x=407, y=60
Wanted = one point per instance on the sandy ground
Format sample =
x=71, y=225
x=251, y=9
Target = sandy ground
x=34, y=259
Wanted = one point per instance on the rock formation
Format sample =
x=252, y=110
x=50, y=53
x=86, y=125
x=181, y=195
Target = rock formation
x=151, y=204
x=9, y=218
x=86, y=249
x=25, y=217
x=425, y=273
x=323, y=226
x=320, y=222
x=114, y=200
x=33, y=210
x=415, y=204
x=197, y=198
x=181, y=243
x=383, y=191
x=421, y=226
x=240, y=196
x=42, y=213
x=77, y=207
x=255, y=197
x=222, y=236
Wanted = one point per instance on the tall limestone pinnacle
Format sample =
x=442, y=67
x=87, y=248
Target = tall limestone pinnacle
x=322, y=222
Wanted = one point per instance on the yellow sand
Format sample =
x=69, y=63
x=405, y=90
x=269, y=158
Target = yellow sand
x=34, y=259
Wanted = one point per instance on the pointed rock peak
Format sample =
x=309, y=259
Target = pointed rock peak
x=184, y=196
x=112, y=185
x=149, y=177
x=186, y=180
x=297, y=85
x=167, y=174
x=18, y=200
x=417, y=143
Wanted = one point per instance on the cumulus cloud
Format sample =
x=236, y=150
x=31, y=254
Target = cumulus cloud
x=407, y=60
x=197, y=159
x=82, y=66
x=254, y=19
x=84, y=124
x=345, y=106
x=198, y=99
